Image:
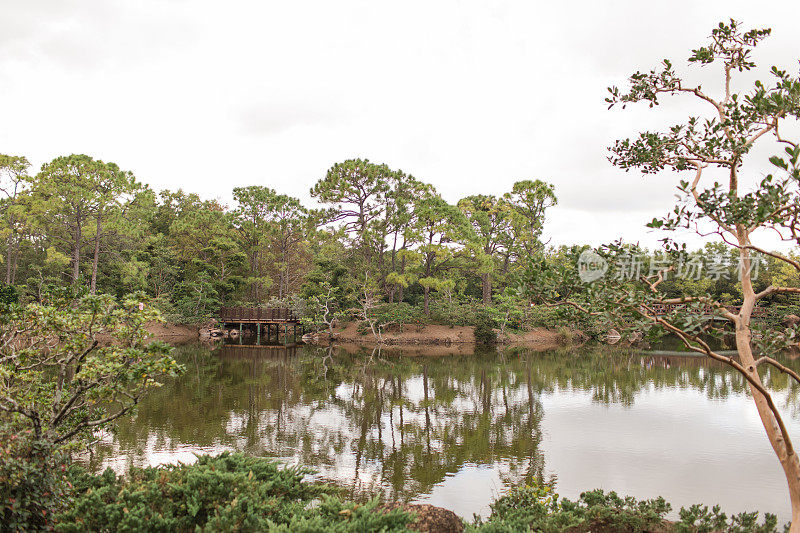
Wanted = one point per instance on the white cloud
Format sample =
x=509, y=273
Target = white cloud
x=468, y=95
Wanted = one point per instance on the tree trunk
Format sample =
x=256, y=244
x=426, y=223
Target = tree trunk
x=76, y=253
x=486, y=282
x=401, y=290
x=96, y=258
x=9, y=252
x=16, y=261
x=789, y=463
x=254, y=270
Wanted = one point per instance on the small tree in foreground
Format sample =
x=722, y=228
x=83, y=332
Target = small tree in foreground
x=717, y=144
x=66, y=371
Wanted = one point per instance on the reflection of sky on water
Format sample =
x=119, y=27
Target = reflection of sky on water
x=676, y=441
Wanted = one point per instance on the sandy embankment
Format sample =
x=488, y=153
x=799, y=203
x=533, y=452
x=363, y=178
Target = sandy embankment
x=457, y=339
x=174, y=333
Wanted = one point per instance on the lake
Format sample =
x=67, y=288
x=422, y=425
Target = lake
x=457, y=430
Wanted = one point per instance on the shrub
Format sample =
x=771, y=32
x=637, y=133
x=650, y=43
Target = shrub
x=542, y=316
x=230, y=492
x=484, y=329
x=397, y=315
x=32, y=482
x=8, y=295
x=538, y=508
x=454, y=312
x=565, y=335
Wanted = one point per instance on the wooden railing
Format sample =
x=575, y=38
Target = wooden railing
x=257, y=314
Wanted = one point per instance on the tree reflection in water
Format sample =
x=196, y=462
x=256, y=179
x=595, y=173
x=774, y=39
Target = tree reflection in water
x=381, y=420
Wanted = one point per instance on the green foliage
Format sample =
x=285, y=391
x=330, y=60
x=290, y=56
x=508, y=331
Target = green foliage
x=397, y=315
x=32, y=481
x=484, y=328
x=67, y=389
x=335, y=516
x=454, y=311
x=322, y=308
x=8, y=295
x=543, y=316
x=85, y=222
x=230, y=492
x=538, y=508
x=701, y=519
x=507, y=310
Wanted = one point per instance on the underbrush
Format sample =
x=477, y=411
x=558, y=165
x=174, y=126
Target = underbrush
x=230, y=492
x=539, y=508
x=235, y=492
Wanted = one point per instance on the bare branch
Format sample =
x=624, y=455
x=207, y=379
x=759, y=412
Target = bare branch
x=93, y=423
x=776, y=364
x=772, y=290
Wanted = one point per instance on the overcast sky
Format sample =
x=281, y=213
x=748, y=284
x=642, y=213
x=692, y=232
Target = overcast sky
x=469, y=96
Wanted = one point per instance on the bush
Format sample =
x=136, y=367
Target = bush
x=8, y=295
x=230, y=492
x=397, y=316
x=32, y=482
x=538, y=508
x=542, y=316
x=565, y=335
x=484, y=329
x=454, y=313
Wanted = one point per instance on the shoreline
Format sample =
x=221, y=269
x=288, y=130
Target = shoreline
x=434, y=335
x=445, y=339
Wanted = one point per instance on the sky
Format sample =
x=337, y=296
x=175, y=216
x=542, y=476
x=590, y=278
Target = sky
x=469, y=96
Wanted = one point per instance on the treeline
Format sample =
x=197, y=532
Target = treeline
x=377, y=235
x=379, y=241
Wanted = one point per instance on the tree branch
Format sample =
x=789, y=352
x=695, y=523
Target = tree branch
x=776, y=364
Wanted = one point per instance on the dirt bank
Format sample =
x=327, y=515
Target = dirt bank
x=173, y=333
x=446, y=339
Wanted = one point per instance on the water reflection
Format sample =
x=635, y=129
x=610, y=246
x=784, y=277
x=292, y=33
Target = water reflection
x=454, y=429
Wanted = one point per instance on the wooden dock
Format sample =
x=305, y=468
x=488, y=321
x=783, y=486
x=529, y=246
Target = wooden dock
x=271, y=319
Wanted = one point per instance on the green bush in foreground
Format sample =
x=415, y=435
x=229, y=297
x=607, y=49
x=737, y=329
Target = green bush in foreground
x=234, y=492
x=538, y=508
x=230, y=492
x=32, y=481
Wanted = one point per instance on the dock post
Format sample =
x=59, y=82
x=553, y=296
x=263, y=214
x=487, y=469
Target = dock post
x=240, y=330
x=258, y=333
x=285, y=333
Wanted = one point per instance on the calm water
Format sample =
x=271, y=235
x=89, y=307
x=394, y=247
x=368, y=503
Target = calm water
x=457, y=430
